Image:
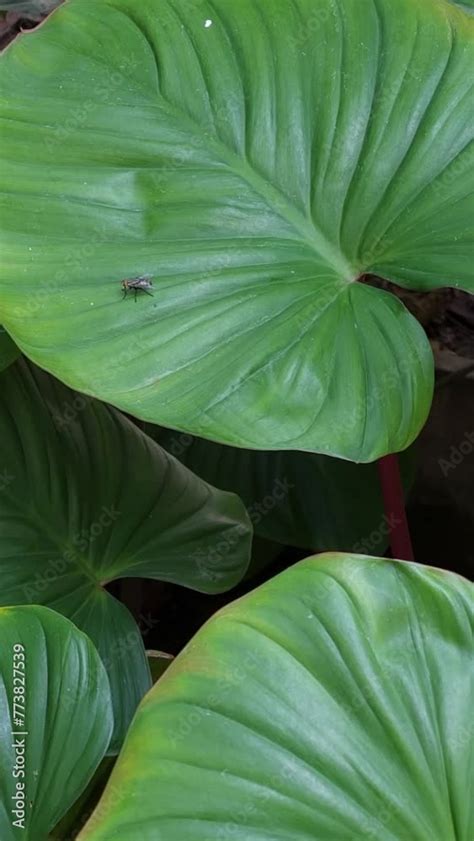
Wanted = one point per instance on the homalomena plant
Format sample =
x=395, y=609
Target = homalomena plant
x=332, y=703
x=255, y=160
x=86, y=498
x=55, y=719
x=299, y=499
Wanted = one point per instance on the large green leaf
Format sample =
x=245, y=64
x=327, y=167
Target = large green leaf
x=55, y=719
x=88, y=498
x=301, y=499
x=256, y=159
x=333, y=703
x=8, y=350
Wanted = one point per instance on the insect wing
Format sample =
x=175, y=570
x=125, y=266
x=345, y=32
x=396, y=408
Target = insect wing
x=142, y=283
x=137, y=284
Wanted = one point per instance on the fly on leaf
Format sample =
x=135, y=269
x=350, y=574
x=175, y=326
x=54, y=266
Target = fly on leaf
x=136, y=285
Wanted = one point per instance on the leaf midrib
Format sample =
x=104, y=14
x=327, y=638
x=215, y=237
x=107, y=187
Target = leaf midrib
x=279, y=203
x=307, y=230
x=304, y=225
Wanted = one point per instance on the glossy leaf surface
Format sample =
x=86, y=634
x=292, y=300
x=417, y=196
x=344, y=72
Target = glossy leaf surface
x=86, y=498
x=332, y=703
x=254, y=160
x=55, y=719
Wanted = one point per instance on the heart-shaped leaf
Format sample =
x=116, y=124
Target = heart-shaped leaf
x=55, y=719
x=86, y=498
x=333, y=703
x=254, y=160
x=8, y=350
x=300, y=499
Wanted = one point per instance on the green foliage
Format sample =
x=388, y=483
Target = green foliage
x=299, y=499
x=257, y=162
x=87, y=498
x=56, y=719
x=254, y=159
x=331, y=703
